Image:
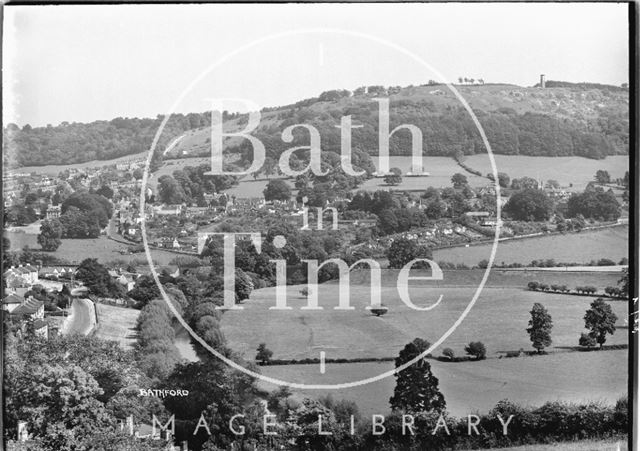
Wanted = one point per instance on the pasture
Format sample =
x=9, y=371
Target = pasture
x=499, y=317
x=612, y=243
x=566, y=170
x=117, y=324
x=470, y=387
x=75, y=250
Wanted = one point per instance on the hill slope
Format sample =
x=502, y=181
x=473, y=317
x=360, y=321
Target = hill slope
x=561, y=121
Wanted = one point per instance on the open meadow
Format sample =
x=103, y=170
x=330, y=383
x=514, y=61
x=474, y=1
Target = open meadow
x=470, y=387
x=75, y=250
x=117, y=324
x=577, y=171
x=611, y=243
x=498, y=319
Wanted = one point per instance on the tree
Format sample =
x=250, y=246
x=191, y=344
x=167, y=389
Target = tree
x=105, y=191
x=144, y=290
x=533, y=286
x=448, y=352
x=503, y=180
x=387, y=222
x=524, y=183
x=594, y=204
x=600, y=320
x=476, y=349
x=540, y=326
x=529, y=205
x=264, y=354
x=416, y=387
x=97, y=279
x=403, y=250
x=79, y=224
x=277, y=190
x=602, y=176
x=459, y=180
x=170, y=191
x=269, y=166
x=94, y=205
x=379, y=311
x=56, y=394
x=393, y=179
x=586, y=340
x=50, y=234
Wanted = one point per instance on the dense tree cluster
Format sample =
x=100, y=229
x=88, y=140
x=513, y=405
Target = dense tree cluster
x=73, y=390
x=594, y=204
x=403, y=250
x=529, y=205
x=190, y=184
x=97, y=279
x=100, y=140
x=84, y=215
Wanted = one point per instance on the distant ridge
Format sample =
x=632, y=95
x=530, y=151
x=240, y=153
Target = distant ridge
x=583, y=119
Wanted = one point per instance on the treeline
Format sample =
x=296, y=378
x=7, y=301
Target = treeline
x=549, y=423
x=582, y=85
x=189, y=185
x=448, y=131
x=70, y=143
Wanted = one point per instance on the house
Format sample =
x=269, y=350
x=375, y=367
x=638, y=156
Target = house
x=41, y=328
x=58, y=272
x=126, y=281
x=10, y=302
x=27, y=274
x=53, y=211
x=167, y=210
x=31, y=308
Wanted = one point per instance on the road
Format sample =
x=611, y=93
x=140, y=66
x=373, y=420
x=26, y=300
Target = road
x=82, y=318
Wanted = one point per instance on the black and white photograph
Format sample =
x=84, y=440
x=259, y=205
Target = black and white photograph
x=319, y=226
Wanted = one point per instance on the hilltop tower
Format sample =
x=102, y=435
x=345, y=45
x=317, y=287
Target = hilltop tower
x=542, y=81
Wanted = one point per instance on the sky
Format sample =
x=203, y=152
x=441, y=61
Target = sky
x=86, y=63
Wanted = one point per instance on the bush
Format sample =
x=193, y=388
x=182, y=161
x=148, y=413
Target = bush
x=476, y=349
x=533, y=285
x=587, y=340
x=379, y=311
x=448, y=352
x=264, y=354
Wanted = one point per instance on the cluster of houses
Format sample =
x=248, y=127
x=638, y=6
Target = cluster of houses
x=28, y=311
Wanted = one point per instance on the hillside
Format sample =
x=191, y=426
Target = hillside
x=518, y=121
x=582, y=120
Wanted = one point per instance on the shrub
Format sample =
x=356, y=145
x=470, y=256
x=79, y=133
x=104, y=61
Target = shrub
x=448, y=352
x=587, y=340
x=264, y=354
x=533, y=285
x=379, y=311
x=476, y=349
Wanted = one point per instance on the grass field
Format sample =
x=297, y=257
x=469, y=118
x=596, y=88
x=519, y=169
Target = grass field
x=499, y=318
x=612, y=243
x=76, y=250
x=566, y=170
x=117, y=324
x=470, y=387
